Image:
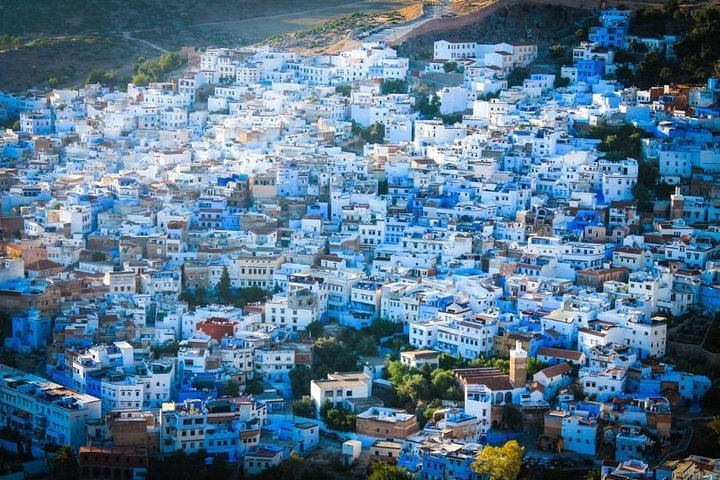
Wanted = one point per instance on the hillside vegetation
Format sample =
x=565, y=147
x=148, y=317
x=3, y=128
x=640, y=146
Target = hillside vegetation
x=71, y=17
x=46, y=43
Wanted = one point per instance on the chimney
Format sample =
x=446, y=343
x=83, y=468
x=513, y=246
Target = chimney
x=518, y=365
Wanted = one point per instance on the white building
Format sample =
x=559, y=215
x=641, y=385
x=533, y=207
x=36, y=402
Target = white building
x=50, y=412
x=339, y=387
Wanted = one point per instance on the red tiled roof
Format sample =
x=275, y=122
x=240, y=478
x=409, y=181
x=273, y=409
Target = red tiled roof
x=556, y=370
x=559, y=353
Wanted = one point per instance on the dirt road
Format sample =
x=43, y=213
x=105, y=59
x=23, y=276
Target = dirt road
x=128, y=36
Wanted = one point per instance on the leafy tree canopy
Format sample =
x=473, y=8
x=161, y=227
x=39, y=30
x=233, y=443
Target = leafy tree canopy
x=500, y=463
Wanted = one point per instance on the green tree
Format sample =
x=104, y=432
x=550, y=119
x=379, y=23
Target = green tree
x=593, y=475
x=388, y=471
x=337, y=418
x=96, y=76
x=500, y=463
x=448, y=362
x=641, y=193
x=663, y=191
x=623, y=56
x=413, y=388
x=219, y=468
x=714, y=426
x=534, y=366
x=625, y=75
x=315, y=329
x=381, y=328
x=300, y=378
x=428, y=107
x=561, y=82
x=501, y=364
x=428, y=411
x=512, y=417
x=179, y=466
x=195, y=298
x=254, y=387
x=375, y=133
x=304, y=407
x=443, y=384
x=620, y=143
x=64, y=466
x=517, y=76
x=244, y=296
x=140, y=79
x=334, y=354
x=155, y=70
x=366, y=345
x=345, y=89
x=650, y=70
x=224, y=288
x=559, y=54
x=230, y=388
x=393, y=86
x=449, y=67
x=397, y=371
x=167, y=348
x=670, y=7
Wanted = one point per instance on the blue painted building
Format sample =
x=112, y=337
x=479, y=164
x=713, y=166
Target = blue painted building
x=30, y=331
x=608, y=37
x=587, y=69
x=710, y=297
x=451, y=460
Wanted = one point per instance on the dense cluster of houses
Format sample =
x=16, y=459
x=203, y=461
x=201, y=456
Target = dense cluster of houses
x=504, y=235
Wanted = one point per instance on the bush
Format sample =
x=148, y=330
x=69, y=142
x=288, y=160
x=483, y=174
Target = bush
x=449, y=67
x=155, y=70
x=300, y=378
x=344, y=89
x=230, y=388
x=517, y=76
x=304, y=407
x=254, y=387
x=561, y=82
x=98, y=76
x=375, y=133
x=168, y=348
x=393, y=86
x=337, y=418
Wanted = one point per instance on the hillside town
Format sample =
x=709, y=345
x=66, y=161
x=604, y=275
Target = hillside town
x=277, y=260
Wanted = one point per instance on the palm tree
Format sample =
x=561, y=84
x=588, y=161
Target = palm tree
x=65, y=464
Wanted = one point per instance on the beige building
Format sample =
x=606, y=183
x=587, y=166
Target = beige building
x=339, y=387
x=264, y=185
x=121, y=282
x=386, y=423
x=385, y=451
x=454, y=423
x=254, y=267
x=417, y=358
